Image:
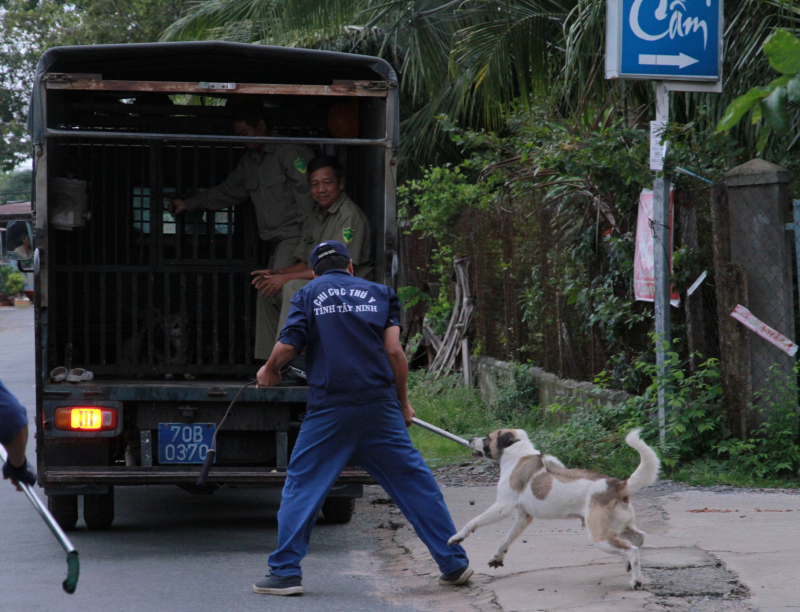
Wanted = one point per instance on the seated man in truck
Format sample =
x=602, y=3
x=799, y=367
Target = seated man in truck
x=273, y=177
x=336, y=217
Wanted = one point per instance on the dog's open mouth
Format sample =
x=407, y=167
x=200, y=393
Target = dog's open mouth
x=477, y=454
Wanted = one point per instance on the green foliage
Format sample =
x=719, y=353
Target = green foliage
x=470, y=60
x=606, y=302
x=518, y=397
x=29, y=27
x=693, y=408
x=11, y=281
x=708, y=154
x=591, y=436
x=448, y=404
x=773, y=448
x=16, y=186
x=782, y=49
x=434, y=204
x=412, y=296
x=585, y=432
x=771, y=102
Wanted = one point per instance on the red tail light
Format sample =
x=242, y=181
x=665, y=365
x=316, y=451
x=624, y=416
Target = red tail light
x=86, y=418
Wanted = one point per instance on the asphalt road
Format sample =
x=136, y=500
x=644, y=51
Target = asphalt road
x=171, y=550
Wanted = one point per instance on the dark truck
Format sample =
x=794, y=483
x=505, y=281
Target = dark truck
x=159, y=309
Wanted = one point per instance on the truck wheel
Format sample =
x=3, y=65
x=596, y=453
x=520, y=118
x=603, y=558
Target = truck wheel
x=64, y=509
x=338, y=510
x=98, y=510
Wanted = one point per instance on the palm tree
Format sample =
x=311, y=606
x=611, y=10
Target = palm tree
x=477, y=60
x=468, y=59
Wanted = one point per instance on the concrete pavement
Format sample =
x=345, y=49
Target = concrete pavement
x=703, y=551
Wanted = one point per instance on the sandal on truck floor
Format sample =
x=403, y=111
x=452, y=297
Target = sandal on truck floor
x=58, y=374
x=79, y=375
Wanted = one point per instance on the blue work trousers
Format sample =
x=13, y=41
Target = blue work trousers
x=376, y=437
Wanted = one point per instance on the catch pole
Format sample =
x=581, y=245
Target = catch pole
x=441, y=432
x=73, y=565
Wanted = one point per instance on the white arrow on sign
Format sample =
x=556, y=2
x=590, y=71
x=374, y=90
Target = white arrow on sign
x=681, y=60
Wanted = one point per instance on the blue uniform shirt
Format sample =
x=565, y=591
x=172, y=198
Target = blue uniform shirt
x=13, y=416
x=341, y=318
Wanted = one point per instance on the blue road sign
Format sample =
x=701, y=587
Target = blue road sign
x=664, y=40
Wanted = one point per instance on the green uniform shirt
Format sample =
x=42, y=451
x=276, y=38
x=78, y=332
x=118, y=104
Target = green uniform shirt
x=345, y=222
x=275, y=180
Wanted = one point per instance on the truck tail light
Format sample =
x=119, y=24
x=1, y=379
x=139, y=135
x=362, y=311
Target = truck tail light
x=86, y=418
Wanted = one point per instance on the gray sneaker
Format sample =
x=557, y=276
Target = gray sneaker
x=279, y=585
x=457, y=577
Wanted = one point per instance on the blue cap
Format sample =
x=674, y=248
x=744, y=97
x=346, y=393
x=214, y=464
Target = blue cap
x=323, y=249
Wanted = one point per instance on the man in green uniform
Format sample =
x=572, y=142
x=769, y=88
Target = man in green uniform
x=274, y=177
x=336, y=217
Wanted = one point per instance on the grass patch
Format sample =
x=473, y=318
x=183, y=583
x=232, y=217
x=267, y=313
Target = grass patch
x=711, y=473
x=584, y=434
x=446, y=403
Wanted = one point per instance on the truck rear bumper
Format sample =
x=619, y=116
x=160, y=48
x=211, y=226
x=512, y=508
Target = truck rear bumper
x=132, y=476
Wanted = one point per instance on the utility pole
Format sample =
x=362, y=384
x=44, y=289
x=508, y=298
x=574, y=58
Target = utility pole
x=662, y=248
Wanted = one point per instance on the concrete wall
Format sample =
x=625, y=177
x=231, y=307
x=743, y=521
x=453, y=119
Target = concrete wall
x=491, y=374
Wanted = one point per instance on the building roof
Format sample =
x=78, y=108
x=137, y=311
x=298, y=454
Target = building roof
x=15, y=209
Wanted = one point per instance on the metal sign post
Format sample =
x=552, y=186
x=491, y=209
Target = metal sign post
x=679, y=45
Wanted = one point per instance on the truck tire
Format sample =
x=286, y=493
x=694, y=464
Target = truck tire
x=98, y=510
x=338, y=510
x=64, y=509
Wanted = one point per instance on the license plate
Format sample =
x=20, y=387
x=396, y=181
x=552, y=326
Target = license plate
x=183, y=442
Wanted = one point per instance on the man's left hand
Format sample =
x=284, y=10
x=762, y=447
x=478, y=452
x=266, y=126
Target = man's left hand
x=19, y=474
x=270, y=285
x=408, y=413
x=267, y=377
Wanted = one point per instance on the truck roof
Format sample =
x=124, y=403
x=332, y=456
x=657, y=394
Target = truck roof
x=205, y=61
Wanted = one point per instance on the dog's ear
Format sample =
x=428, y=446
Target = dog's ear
x=506, y=439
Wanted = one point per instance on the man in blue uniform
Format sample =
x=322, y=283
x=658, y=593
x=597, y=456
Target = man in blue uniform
x=357, y=407
x=14, y=437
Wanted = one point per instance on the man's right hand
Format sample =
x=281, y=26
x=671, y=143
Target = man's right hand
x=176, y=207
x=408, y=413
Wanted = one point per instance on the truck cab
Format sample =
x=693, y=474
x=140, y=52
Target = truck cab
x=145, y=322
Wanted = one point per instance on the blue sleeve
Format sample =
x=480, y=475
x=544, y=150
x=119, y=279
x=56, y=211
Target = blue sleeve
x=295, y=331
x=13, y=416
x=393, y=320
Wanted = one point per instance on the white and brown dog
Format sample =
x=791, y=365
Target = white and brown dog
x=536, y=485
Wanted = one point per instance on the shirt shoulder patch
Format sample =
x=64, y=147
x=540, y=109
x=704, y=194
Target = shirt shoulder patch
x=347, y=234
x=300, y=165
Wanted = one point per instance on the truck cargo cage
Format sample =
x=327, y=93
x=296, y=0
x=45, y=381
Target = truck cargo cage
x=134, y=274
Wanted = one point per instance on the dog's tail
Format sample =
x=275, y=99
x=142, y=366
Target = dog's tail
x=647, y=472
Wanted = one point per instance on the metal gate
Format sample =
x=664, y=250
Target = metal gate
x=137, y=292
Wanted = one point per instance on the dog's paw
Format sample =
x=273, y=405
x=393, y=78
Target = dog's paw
x=496, y=562
x=636, y=584
x=456, y=539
